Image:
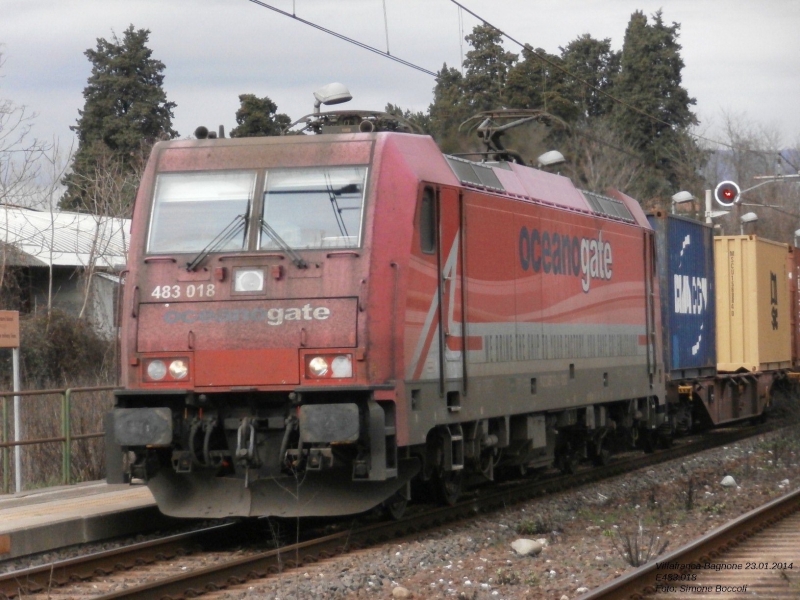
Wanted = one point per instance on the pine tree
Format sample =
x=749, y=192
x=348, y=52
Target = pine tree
x=487, y=66
x=448, y=110
x=537, y=84
x=595, y=63
x=258, y=117
x=125, y=112
x=457, y=97
x=650, y=81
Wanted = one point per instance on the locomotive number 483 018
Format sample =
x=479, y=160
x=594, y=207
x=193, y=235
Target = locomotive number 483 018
x=203, y=290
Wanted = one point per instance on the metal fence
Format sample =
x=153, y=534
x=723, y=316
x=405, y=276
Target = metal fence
x=66, y=439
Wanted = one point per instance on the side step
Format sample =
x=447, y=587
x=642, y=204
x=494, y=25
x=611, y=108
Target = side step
x=454, y=447
x=383, y=443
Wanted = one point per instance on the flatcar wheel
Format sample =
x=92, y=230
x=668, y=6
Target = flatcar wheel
x=396, y=506
x=448, y=486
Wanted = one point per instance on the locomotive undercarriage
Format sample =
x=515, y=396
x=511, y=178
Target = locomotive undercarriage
x=457, y=454
x=219, y=455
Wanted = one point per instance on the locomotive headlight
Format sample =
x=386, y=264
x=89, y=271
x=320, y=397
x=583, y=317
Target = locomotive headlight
x=178, y=369
x=318, y=367
x=331, y=366
x=342, y=366
x=156, y=370
x=248, y=280
x=165, y=370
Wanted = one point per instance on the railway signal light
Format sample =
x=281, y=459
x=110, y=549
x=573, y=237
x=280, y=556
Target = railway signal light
x=727, y=193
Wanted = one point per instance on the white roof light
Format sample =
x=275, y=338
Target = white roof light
x=553, y=157
x=333, y=93
x=682, y=197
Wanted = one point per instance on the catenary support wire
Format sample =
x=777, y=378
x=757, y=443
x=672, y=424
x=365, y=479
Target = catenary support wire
x=343, y=37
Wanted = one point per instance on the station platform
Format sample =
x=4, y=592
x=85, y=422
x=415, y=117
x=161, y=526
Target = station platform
x=45, y=519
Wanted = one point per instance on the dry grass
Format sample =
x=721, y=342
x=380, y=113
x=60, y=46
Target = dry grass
x=41, y=418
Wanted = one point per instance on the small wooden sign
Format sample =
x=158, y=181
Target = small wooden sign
x=9, y=329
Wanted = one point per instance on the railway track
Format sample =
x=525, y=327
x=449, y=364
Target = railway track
x=37, y=580
x=757, y=554
x=167, y=574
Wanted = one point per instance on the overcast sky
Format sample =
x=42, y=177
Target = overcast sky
x=742, y=57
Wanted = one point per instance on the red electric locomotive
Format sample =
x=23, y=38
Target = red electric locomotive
x=312, y=321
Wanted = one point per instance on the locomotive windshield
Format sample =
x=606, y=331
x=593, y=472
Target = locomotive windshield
x=314, y=208
x=319, y=207
x=190, y=209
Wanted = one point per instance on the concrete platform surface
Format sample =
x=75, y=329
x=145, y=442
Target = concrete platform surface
x=41, y=520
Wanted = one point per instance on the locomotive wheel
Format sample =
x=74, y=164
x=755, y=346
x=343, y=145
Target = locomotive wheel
x=448, y=486
x=601, y=457
x=489, y=460
x=648, y=440
x=664, y=436
x=396, y=506
x=568, y=464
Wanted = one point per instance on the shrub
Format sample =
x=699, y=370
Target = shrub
x=57, y=349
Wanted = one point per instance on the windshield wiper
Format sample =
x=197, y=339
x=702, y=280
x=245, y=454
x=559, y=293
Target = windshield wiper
x=297, y=260
x=232, y=229
x=337, y=212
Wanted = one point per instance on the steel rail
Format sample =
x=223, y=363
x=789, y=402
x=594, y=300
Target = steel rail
x=262, y=565
x=36, y=580
x=641, y=582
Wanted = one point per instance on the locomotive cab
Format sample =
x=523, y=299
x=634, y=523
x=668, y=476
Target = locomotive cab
x=246, y=350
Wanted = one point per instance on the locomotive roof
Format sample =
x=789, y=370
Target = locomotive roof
x=426, y=161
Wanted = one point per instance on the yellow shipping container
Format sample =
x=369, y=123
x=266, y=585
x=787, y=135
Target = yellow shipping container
x=753, y=328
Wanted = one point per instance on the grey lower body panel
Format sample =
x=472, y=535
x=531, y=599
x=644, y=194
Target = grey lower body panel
x=325, y=493
x=519, y=393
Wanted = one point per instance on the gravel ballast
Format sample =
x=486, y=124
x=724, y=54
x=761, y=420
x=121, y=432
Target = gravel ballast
x=566, y=543
x=584, y=533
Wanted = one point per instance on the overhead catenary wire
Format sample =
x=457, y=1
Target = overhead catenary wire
x=461, y=7
x=399, y=60
x=344, y=37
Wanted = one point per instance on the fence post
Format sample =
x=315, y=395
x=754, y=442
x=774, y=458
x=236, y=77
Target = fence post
x=6, y=461
x=66, y=433
x=17, y=423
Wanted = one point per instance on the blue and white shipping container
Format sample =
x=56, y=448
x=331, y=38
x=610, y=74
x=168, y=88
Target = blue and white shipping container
x=685, y=265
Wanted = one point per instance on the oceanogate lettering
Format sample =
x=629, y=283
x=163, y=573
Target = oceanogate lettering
x=562, y=254
x=272, y=316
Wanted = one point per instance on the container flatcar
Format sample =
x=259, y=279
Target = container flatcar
x=725, y=307
x=312, y=321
